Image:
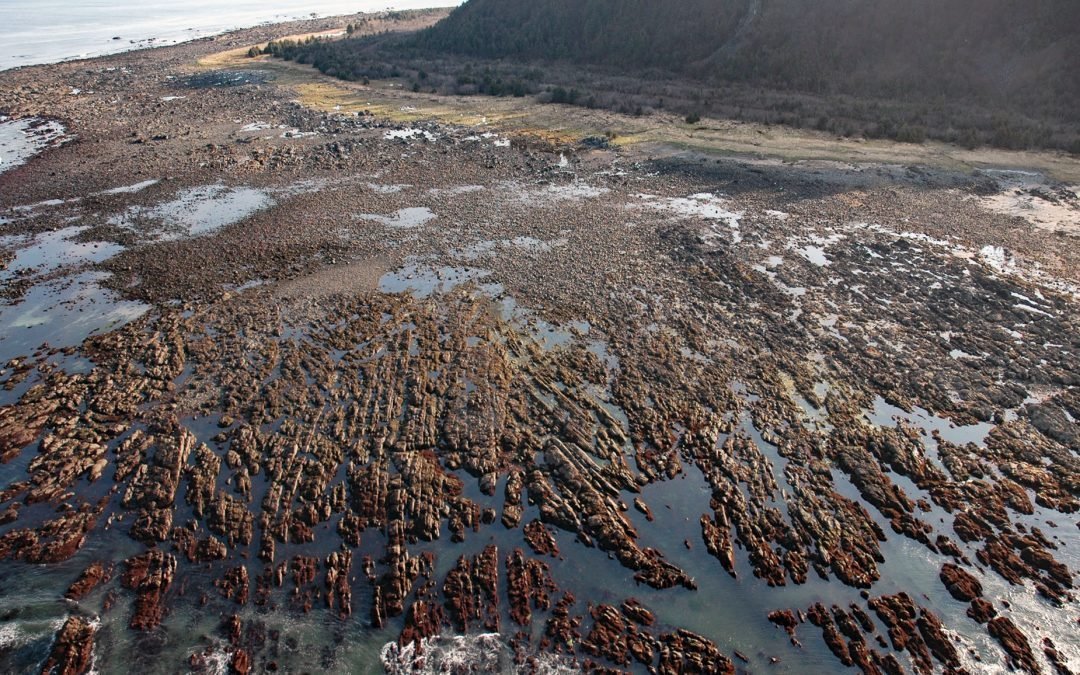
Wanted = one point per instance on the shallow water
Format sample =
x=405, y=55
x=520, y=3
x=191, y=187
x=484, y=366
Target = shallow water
x=553, y=194
x=403, y=134
x=63, y=312
x=20, y=140
x=59, y=310
x=815, y=254
x=130, y=189
x=423, y=281
x=225, y=78
x=194, y=212
x=47, y=31
x=52, y=250
x=403, y=218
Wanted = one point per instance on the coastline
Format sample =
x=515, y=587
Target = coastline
x=397, y=369
x=43, y=35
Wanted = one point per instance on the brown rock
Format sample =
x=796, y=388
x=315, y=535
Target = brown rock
x=73, y=649
x=150, y=575
x=786, y=619
x=981, y=610
x=636, y=612
x=1016, y=646
x=241, y=662
x=93, y=575
x=540, y=540
x=961, y=584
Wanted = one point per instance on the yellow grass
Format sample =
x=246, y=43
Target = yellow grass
x=656, y=134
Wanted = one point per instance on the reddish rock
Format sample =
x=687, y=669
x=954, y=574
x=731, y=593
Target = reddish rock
x=786, y=619
x=73, y=649
x=540, y=540
x=423, y=620
x=235, y=585
x=686, y=652
x=1016, y=646
x=150, y=575
x=393, y=587
x=607, y=637
x=981, y=610
x=961, y=584
x=948, y=546
x=338, y=583
x=969, y=527
x=899, y=613
x=53, y=541
x=240, y=663
x=561, y=631
x=471, y=590
x=933, y=634
x=93, y=575
x=717, y=537
x=820, y=617
x=1055, y=657
x=644, y=509
x=636, y=612
x=528, y=585
x=233, y=628
x=512, y=509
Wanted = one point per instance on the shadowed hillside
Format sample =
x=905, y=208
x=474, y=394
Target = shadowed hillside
x=1004, y=72
x=1026, y=51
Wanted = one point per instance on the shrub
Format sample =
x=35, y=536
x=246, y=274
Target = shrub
x=911, y=134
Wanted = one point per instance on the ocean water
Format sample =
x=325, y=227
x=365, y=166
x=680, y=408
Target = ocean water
x=47, y=31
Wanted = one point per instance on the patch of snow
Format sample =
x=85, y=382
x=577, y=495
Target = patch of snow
x=254, y=127
x=815, y=254
x=409, y=133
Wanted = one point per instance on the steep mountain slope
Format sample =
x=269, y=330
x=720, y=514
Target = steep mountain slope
x=639, y=33
x=1004, y=73
x=1024, y=52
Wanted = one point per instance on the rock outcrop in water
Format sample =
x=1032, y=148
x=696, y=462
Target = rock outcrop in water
x=150, y=576
x=93, y=575
x=73, y=649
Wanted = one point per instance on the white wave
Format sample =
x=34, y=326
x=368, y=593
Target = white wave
x=11, y=635
x=483, y=653
x=214, y=660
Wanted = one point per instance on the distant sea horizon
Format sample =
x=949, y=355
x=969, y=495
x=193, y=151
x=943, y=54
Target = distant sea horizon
x=49, y=31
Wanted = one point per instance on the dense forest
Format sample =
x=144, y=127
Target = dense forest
x=1005, y=72
x=994, y=49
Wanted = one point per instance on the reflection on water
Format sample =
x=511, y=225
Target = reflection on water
x=59, y=310
x=423, y=281
x=63, y=312
x=195, y=212
x=403, y=218
x=885, y=415
x=52, y=250
x=21, y=139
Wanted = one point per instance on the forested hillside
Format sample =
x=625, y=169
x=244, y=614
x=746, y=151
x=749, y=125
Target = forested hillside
x=999, y=72
x=1016, y=50
x=635, y=33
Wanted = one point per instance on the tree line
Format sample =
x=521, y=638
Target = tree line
x=998, y=72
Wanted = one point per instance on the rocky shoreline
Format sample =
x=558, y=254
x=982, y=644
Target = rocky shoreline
x=431, y=380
